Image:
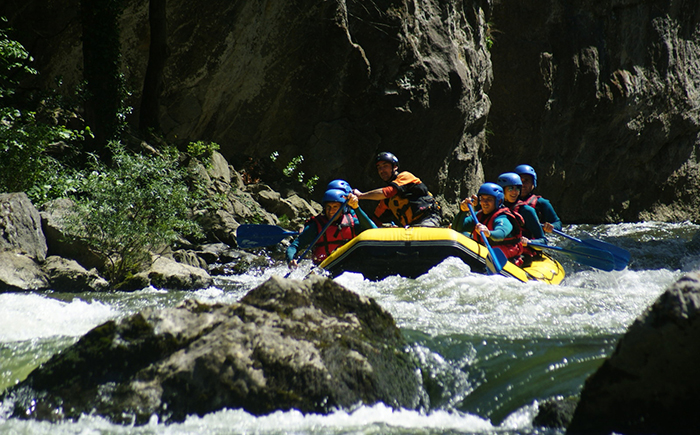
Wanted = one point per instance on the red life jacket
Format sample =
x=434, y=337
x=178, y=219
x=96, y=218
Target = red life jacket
x=531, y=201
x=337, y=234
x=516, y=209
x=511, y=245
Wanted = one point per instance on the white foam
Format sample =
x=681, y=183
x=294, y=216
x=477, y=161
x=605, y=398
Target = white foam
x=26, y=316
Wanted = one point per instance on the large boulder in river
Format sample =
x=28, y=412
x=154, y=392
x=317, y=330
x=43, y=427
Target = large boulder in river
x=309, y=345
x=650, y=383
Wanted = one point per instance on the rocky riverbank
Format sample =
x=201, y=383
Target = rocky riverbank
x=36, y=254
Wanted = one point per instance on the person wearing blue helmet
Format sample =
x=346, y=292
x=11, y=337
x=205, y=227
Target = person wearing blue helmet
x=344, y=227
x=497, y=222
x=532, y=230
x=405, y=200
x=339, y=184
x=542, y=206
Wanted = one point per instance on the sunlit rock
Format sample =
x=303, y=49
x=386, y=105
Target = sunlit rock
x=20, y=226
x=308, y=345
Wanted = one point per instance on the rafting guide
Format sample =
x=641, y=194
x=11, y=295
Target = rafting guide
x=405, y=200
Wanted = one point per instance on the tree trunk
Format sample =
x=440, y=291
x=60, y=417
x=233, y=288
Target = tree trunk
x=101, y=70
x=153, y=81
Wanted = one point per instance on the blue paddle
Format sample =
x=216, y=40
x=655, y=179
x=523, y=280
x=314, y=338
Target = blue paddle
x=621, y=257
x=496, y=258
x=255, y=236
x=583, y=254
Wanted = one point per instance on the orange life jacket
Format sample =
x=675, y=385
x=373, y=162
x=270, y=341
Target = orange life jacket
x=412, y=203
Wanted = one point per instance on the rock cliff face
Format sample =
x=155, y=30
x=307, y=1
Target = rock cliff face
x=601, y=97
x=334, y=81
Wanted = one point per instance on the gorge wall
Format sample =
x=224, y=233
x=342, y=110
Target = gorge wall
x=600, y=97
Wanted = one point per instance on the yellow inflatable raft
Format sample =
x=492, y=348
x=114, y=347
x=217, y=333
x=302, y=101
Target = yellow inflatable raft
x=412, y=251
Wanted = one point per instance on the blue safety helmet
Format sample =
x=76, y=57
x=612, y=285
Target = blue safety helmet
x=334, y=195
x=527, y=170
x=494, y=190
x=509, y=179
x=340, y=185
x=387, y=157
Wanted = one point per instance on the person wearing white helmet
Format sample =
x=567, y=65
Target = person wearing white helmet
x=544, y=209
x=405, y=200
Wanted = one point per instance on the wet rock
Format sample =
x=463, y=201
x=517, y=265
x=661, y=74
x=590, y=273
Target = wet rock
x=190, y=258
x=649, y=384
x=555, y=412
x=166, y=273
x=309, y=345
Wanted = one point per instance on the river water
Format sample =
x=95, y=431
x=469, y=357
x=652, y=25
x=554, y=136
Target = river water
x=491, y=348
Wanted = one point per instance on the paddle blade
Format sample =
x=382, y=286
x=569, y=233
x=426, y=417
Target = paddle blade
x=592, y=257
x=255, y=236
x=495, y=261
x=587, y=255
x=621, y=257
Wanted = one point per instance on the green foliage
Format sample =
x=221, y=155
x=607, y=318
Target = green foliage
x=292, y=167
x=14, y=58
x=201, y=149
x=24, y=139
x=284, y=221
x=311, y=183
x=489, y=35
x=140, y=204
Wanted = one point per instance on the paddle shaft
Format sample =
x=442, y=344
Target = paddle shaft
x=621, y=257
x=563, y=234
x=337, y=213
x=596, y=258
x=495, y=266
